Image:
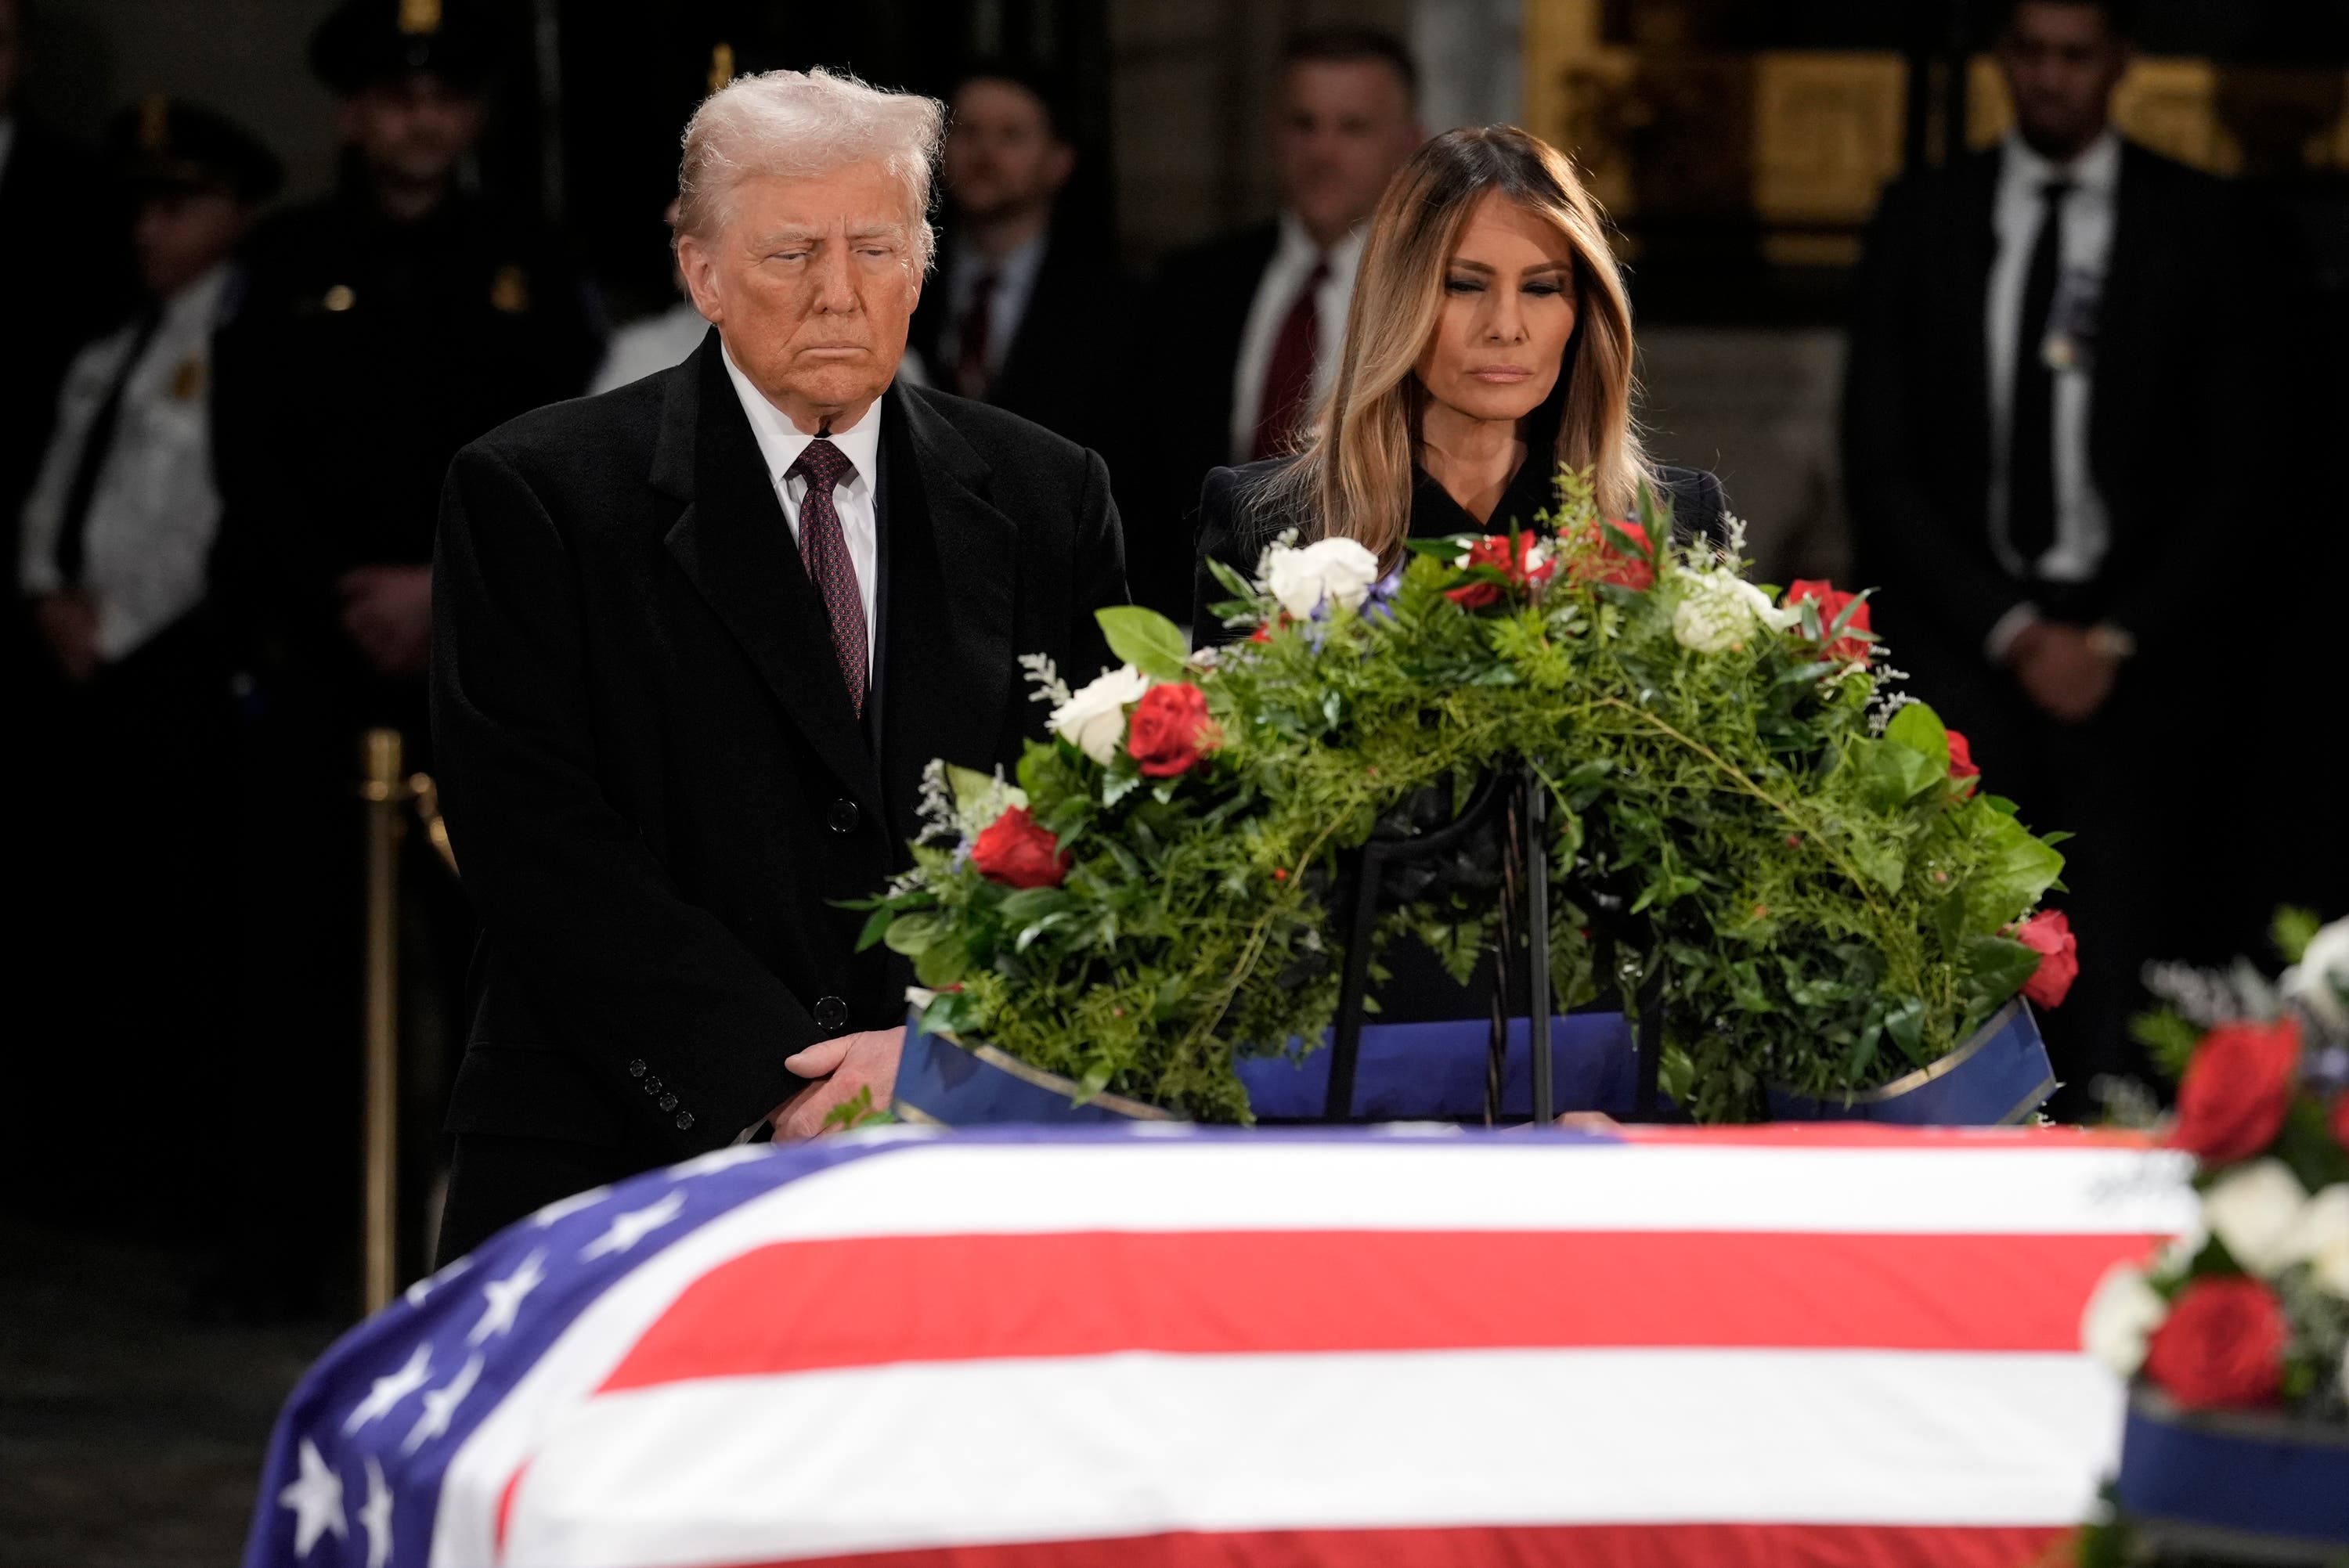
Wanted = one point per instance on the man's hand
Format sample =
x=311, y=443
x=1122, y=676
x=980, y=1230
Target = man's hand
x=388, y=610
x=2062, y=670
x=840, y=1068
x=68, y=623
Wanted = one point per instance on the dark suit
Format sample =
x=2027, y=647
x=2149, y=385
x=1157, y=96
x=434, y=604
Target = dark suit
x=1066, y=366
x=1235, y=527
x=1197, y=312
x=2171, y=441
x=656, y=783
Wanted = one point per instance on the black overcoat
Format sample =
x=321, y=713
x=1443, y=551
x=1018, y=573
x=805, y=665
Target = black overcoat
x=655, y=782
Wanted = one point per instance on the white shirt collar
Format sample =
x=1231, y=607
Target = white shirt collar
x=2097, y=168
x=781, y=442
x=1297, y=246
x=1012, y=272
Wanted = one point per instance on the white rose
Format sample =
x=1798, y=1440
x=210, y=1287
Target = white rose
x=1719, y=609
x=2254, y=1210
x=1093, y=719
x=2317, y=981
x=2321, y=1239
x=1337, y=570
x=2121, y=1316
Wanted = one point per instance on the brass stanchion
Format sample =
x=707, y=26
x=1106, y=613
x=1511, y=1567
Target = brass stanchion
x=385, y=789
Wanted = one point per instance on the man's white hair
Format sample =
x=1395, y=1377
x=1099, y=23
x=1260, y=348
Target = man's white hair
x=802, y=124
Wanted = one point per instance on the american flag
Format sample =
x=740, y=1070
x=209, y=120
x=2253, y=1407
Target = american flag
x=1177, y=1347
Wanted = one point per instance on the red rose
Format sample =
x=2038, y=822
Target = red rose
x=2237, y=1089
x=1170, y=729
x=2221, y=1346
x=1014, y=850
x=1599, y=559
x=2049, y=935
x=2341, y=1119
x=1962, y=757
x=1523, y=571
x=1847, y=648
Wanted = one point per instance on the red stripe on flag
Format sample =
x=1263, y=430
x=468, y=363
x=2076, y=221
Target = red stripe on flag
x=870, y=1301
x=1512, y=1546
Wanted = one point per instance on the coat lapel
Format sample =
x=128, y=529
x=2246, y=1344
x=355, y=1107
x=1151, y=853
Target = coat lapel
x=951, y=602
x=735, y=546
x=1970, y=259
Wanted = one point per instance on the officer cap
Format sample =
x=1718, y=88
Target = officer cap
x=162, y=143
x=363, y=42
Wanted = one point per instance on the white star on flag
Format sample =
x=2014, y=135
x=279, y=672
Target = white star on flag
x=316, y=1496
x=431, y=1283
x=375, y=1518
x=563, y=1207
x=440, y=1406
x=634, y=1227
x=504, y=1297
x=389, y=1391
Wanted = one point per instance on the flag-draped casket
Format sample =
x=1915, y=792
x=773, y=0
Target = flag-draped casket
x=1166, y=1346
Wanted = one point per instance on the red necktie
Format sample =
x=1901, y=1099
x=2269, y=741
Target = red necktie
x=971, y=339
x=824, y=549
x=1288, y=375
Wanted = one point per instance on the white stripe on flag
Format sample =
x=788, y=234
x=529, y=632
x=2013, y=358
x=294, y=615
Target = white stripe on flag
x=1006, y=1451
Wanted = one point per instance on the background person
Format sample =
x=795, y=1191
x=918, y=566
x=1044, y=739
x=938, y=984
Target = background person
x=2048, y=405
x=1243, y=328
x=1025, y=313
x=125, y=722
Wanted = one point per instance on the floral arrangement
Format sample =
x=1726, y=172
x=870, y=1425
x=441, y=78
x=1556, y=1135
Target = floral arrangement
x=2251, y=1310
x=1737, y=795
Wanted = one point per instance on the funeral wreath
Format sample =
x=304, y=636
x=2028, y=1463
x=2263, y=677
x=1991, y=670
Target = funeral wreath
x=1737, y=794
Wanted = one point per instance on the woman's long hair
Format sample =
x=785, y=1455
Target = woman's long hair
x=1351, y=476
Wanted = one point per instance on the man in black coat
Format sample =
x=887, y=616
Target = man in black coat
x=1244, y=328
x=2047, y=437
x=696, y=641
x=1027, y=313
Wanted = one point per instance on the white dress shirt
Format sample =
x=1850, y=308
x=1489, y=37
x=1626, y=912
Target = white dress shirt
x=2083, y=530
x=781, y=442
x=155, y=511
x=1015, y=282
x=1292, y=263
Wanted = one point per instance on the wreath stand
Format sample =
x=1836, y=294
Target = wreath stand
x=1517, y=798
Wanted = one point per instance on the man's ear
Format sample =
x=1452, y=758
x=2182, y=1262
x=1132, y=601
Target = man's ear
x=698, y=268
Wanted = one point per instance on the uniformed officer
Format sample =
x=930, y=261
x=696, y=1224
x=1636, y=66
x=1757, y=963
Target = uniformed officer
x=128, y=864
x=386, y=325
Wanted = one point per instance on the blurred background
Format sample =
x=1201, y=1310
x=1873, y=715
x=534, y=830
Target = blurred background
x=265, y=264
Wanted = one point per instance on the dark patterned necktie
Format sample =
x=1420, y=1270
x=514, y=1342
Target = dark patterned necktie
x=824, y=549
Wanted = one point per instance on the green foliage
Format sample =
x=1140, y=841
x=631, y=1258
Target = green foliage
x=1831, y=907
x=856, y=1112
x=2294, y=930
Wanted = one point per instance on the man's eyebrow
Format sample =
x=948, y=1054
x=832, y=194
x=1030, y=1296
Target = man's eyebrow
x=876, y=230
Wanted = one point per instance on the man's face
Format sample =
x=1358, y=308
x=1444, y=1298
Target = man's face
x=1001, y=157
x=1341, y=131
x=12, y=52
x=811, y=283
x=2061, y=63
x=412, y=130
x=179, y=235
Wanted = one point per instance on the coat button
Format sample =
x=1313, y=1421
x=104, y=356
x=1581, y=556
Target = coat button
x=830, y=1013
x=636, y=1070
x=652, y=1085
x=685, y=1122
x=843, y=817
x=667, y=1102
